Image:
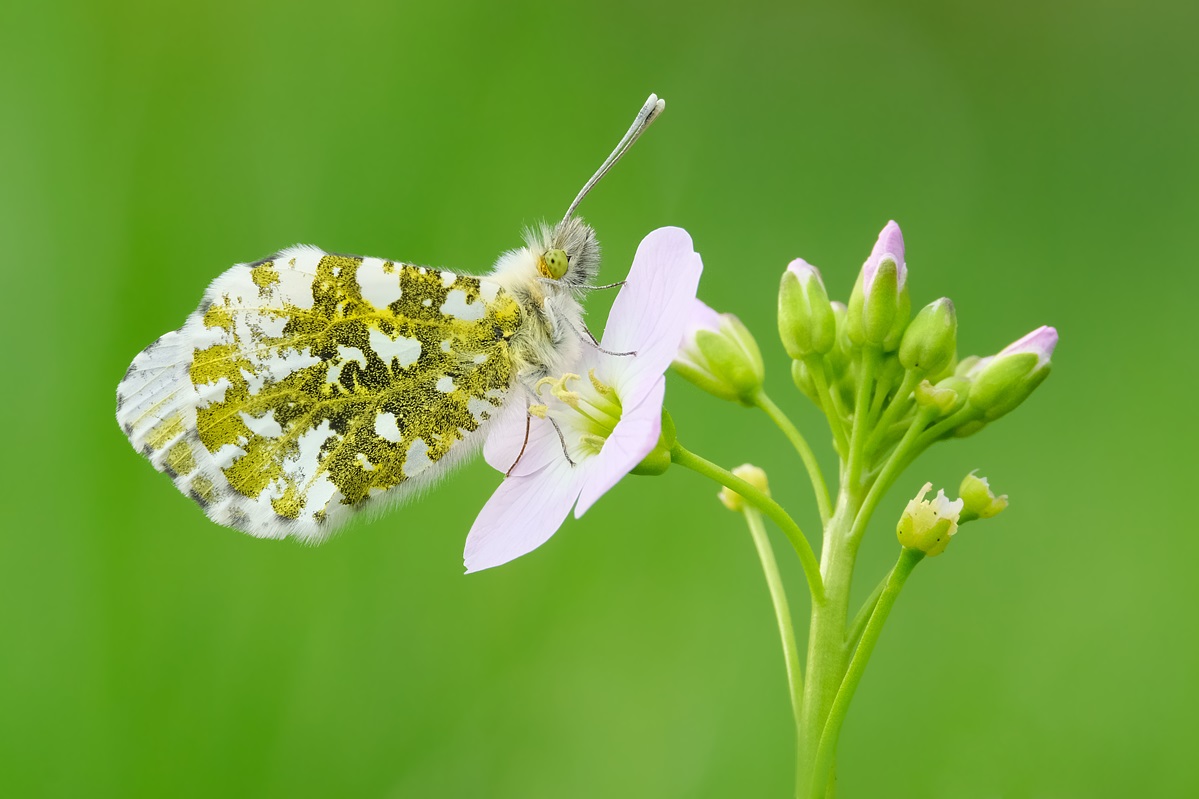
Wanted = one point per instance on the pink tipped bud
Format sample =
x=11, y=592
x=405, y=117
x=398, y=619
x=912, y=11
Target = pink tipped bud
x=1040, y=342
x=888, y=246
x=1002, y=382
x=879, y=306
x=806, y=323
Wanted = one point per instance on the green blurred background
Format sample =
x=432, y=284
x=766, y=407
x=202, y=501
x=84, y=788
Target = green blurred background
x=1042, y=160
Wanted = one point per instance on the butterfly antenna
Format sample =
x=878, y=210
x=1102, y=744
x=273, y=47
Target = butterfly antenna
x=645, y=117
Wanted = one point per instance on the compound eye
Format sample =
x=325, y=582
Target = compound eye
x=553, y=264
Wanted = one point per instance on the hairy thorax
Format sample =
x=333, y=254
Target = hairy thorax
x=549, y=336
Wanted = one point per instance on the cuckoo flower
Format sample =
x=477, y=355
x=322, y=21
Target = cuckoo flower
x=598, y=422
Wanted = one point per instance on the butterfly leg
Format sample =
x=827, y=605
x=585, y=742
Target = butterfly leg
x=521, y=454
x=589, y=338
x=561, y=439
x=524, y=446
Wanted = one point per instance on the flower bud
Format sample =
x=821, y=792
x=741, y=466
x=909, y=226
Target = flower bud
x=806, y=323
x=979, y=500
x=1002, y=382
x=879, y=305
x=837, y=360
x=750, y=474
x=928, y=525
x=930, y=343
x=968, y=428
x=890, y=371
x=720, y=355
x=947, y=396
x=802, y=376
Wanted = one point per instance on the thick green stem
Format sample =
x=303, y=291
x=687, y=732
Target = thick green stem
x=805, y=452
x=762, y=501
x=908, y=558
x=782, y=611
x=827, y=656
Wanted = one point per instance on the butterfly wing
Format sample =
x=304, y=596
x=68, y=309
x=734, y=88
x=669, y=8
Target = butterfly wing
x=308, y=385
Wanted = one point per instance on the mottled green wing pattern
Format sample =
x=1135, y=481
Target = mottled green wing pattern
x=308, y=384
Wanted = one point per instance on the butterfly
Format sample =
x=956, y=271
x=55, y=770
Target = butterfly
x=309, y=386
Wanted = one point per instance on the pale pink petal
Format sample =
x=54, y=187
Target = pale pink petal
x=521, y=515
x=700, y=317
x=889, y=245
x=506, y=436
x=1040, y=342
x=635, y=437
x=652, y=309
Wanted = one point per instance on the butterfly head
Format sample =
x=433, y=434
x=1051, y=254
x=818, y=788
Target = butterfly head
x=567, y=253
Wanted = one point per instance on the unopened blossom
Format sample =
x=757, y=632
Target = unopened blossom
x=979, y=500
x=1003, y=381
x=754, y=475
x=608, y=410
x=719, y=354
x=879, y=304
x=806, y=323
x=929, y=345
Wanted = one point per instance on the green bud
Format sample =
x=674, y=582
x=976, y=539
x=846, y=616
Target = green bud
x=979, y=500
x=838, y=360
x=802, y=375
x=1003, y=383
x=928, y=525
x=720, y=355
x=806, y=323
x=890, y=371
x=968, y=428
x=947, y=396
x=750, y=474
x=929, y=344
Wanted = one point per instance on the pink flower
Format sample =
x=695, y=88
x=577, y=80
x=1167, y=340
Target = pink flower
x=609, y=413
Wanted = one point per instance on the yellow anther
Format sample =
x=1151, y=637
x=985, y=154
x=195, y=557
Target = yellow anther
x=603, y=389
x=539, y=410
x=591, y=443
